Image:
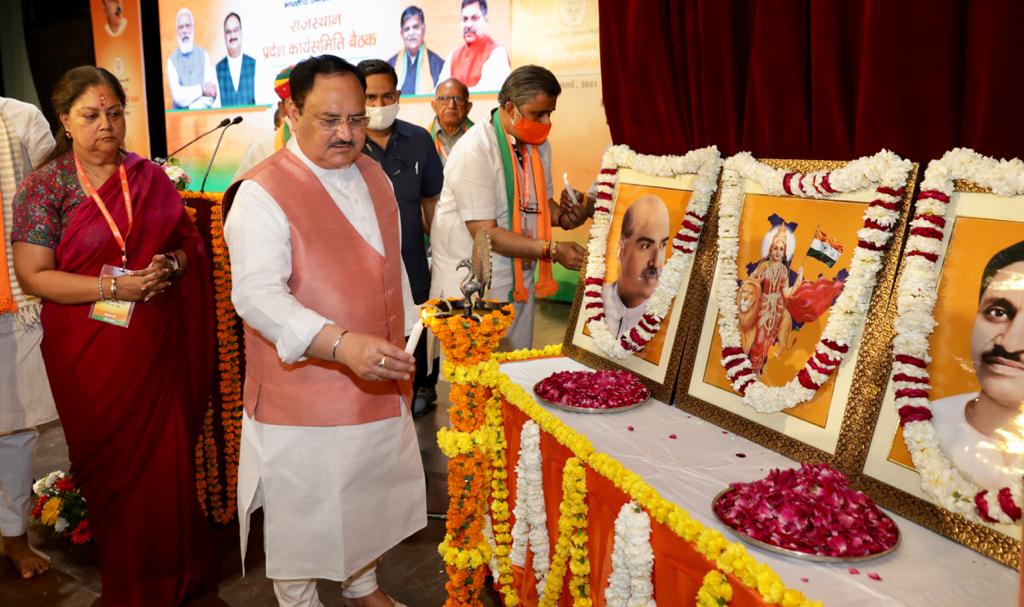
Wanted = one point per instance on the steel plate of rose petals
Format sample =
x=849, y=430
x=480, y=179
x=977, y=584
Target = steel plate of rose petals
x=592, y=391
x=811, y=514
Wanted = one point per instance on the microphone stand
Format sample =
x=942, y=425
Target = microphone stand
x=223, y=123
x=202, y=188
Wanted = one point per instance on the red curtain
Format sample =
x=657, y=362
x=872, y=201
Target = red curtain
x=823, y=79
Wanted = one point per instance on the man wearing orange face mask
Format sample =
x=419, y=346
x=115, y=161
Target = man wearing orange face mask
x=498, y=179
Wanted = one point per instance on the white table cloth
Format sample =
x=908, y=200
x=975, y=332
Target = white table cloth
x=926, y=570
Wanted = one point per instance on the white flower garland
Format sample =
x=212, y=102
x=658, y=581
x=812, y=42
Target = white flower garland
x=629, y=584
x=916, y=295
x=531, y=525
x=886, y=172
x=705, y=163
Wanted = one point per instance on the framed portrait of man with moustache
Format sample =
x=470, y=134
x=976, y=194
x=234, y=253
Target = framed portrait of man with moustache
x=648, y=222
x=948, y=447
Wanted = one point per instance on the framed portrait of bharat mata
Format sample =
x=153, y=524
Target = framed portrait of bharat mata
x=948, y=448
x=648, y=222
x=785, y=352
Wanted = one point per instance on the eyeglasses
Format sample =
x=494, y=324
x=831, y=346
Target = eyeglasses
x=446, y=99
x=353, y=122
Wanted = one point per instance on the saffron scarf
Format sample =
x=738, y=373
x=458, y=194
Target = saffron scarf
x=468, y=61
x=435, y=128
x=424, y=81
x=517, y=189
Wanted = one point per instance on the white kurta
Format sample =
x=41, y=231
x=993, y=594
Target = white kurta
x=976, y=456
x=334, y=498
x=25, y=399
x=617, y=316
x=474, y=190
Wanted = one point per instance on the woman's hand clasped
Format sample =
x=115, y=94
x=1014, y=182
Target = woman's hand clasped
x=147, y=283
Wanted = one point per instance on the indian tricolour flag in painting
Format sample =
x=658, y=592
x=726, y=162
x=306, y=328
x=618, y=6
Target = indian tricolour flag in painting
x=825, y=249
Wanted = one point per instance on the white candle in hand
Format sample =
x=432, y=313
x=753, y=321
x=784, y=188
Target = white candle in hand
x=572, y=192
x=414, y=337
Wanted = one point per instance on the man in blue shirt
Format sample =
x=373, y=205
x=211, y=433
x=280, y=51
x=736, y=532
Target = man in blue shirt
x=407, y=154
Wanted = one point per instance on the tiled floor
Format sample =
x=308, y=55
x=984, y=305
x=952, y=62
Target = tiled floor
x=411, y=572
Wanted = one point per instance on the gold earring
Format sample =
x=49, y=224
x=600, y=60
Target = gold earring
x=68, y=134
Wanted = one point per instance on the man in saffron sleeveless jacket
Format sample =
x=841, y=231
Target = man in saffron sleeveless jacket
x=328, y=446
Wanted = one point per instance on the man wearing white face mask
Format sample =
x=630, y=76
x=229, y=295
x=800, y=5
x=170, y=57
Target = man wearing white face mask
x=408, y=156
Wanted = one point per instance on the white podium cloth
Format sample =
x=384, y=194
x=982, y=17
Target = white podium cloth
x=926, y=570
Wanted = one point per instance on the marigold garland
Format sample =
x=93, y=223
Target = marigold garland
x=571, y=547
x=217, y=487
x=468, y=340
x=499, y=510
x=715, y=591
x=470, y=444
x=728, y=557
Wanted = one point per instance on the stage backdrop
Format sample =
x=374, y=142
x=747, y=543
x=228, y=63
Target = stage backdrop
x=117, y=38
x=562, y=36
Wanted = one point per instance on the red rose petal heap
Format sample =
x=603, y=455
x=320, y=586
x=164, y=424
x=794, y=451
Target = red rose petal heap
x=812, y=510
x=592, y=389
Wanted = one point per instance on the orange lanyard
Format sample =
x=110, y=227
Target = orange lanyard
x=103, y=208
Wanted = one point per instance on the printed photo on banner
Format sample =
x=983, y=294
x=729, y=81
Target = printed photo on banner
x=648, y=222
x=798, y=278
x=960, y=446
x=117, y=45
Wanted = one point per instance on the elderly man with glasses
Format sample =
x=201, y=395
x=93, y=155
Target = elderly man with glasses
x=451, y=116
x=328, y=448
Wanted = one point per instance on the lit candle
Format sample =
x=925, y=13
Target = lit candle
x=414, y=337
x=572, y=192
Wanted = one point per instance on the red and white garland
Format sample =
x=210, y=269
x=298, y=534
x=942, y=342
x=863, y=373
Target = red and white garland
x=884, y=171
x=916, y=293
x=705, y=164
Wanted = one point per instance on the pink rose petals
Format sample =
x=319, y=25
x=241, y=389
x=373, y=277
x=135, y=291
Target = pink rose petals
x=804, y=580
x=875, y=576
x=630, y=428
x=592, y=389
x=854, y=571
x=812, y=510
x=673, y=436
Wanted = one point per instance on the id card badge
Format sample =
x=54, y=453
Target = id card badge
x=118, y=313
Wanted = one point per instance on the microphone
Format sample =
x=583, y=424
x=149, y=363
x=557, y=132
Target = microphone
x=237, y=119
x=223, y=123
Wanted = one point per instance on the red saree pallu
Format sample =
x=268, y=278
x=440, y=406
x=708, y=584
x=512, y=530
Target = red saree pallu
x=131, y=399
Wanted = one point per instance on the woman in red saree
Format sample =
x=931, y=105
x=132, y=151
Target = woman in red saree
x=130, y=398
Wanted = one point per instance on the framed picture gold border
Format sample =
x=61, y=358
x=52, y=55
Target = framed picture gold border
x=871, y=367
x=664, y=389
x=979, y=537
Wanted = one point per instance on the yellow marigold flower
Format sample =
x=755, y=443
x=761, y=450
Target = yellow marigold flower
x=51, y=511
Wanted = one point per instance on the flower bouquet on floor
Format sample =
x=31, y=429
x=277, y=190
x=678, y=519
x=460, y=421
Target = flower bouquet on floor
x=60, y=504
